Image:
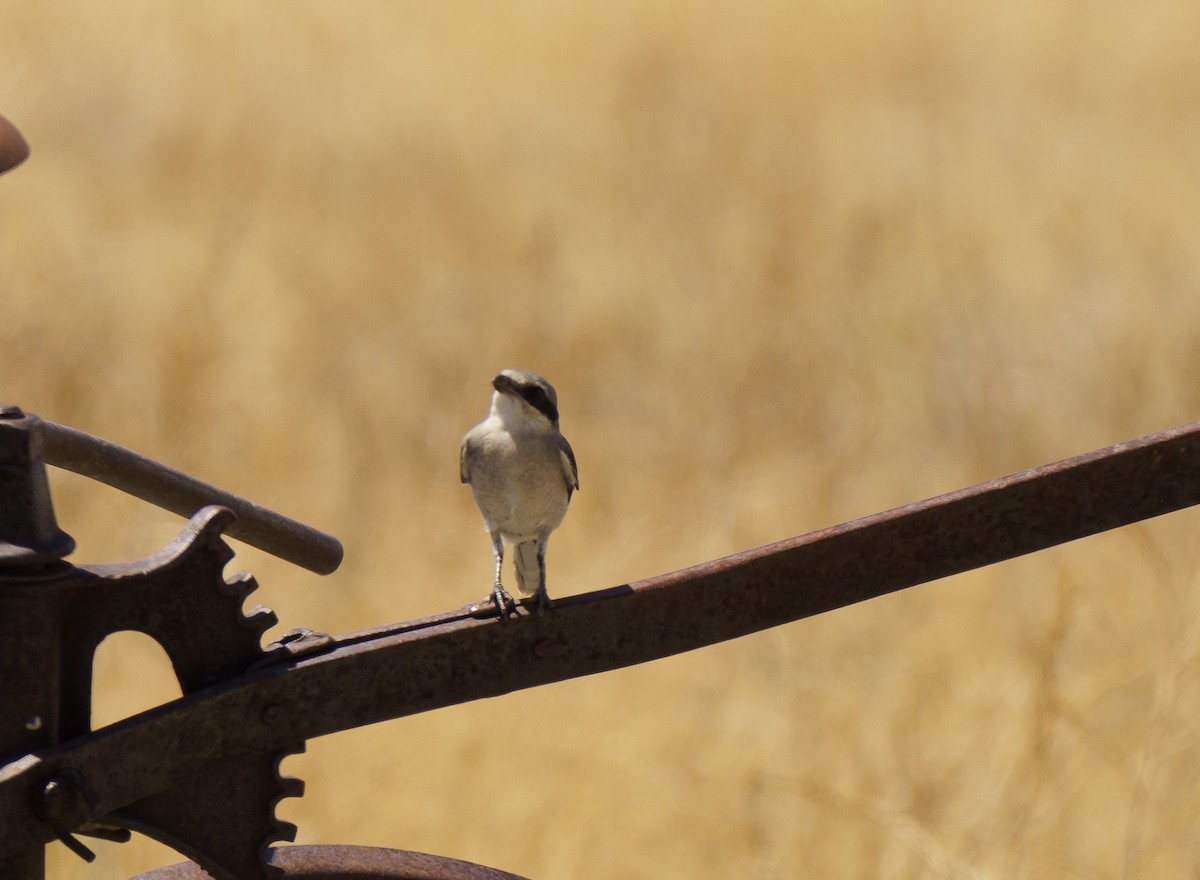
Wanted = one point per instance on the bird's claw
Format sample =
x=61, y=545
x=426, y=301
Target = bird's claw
x=503, y=601
x=502, y=604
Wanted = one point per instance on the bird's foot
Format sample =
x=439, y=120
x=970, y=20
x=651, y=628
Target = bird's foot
x=541, y=602
x=503, y=601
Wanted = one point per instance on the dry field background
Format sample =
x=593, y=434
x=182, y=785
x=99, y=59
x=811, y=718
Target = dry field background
x=786, y=263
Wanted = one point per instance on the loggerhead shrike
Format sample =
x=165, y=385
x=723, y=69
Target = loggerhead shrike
x=522, y=472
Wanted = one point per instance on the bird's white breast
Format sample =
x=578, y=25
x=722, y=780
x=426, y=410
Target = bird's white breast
x=516, y=475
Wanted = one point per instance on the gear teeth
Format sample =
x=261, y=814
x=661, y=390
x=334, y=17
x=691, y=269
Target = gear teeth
x=291, y=786
x=288, y=787
x=240, y=585
x=285, y=832
x=260, y=618
x=210, y=524
x=211, y=637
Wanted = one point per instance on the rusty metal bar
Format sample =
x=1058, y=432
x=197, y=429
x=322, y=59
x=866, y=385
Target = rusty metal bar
x=453, y=658
x=144, y=478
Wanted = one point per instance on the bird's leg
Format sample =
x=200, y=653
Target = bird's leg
x=541, y=598
x=500, y=597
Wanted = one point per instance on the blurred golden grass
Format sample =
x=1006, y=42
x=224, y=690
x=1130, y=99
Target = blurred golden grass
x=786, y=265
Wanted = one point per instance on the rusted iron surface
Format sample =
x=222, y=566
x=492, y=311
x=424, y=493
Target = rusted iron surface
x=350, y=863
x=180, y=598
x=180, y=493
x=321, y=685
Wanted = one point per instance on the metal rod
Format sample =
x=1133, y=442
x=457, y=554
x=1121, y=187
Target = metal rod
x=455, y=657
x=144, y=478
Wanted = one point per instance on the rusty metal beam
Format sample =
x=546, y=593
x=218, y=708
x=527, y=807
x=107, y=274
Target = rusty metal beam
x=452, y=658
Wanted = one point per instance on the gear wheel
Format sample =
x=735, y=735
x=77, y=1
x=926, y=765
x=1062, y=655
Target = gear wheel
x=226, y=808
x=181, y=598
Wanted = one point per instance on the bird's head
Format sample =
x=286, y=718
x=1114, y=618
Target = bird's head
x=525, y=395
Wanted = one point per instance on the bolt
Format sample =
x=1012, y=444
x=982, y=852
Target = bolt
x=272, y=713
x=67, y=790
x=34, y=723
x=66, y=801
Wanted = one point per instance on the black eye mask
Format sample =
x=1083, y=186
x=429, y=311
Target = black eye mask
x=538, y=399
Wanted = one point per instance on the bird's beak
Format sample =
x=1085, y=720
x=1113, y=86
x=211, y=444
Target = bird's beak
x=503, y=384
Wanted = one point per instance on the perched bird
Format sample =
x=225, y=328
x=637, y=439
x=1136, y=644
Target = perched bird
x=522, y=473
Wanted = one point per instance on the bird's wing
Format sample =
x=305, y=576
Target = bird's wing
x=570, y=469
x=464, y=460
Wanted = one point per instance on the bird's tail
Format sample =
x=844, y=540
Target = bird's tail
x=525, y=558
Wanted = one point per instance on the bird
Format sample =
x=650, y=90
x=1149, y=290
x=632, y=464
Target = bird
x=522, y=473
